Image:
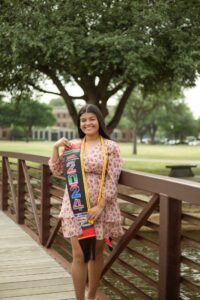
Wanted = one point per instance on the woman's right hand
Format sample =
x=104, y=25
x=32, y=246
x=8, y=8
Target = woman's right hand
x=63, y=142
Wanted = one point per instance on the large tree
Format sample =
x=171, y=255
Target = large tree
x=141, y=105
x=104, y=46
x=178, y=122
x=174, y=121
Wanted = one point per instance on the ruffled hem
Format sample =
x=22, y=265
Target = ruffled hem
x=104, y=230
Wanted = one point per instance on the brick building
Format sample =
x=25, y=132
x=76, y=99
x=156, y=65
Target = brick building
x=4, y=133
x=63, y=128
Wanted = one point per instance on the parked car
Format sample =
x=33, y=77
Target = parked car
x=194, y=142
x=173, y=142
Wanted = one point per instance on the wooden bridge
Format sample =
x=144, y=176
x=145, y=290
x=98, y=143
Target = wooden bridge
x=26, y=271
x=157, y=257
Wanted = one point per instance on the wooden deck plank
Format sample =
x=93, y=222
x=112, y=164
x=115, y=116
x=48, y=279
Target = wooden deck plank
x=27, y=272
x=17, y=278
x=25, y=267
x=34, y=291
x=32, y=271
x=21, y=262
x=35, y=283
x=53, y=296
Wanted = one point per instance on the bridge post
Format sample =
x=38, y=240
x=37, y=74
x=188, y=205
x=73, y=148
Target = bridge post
x=45, y=204
x=170, y=248
x=21, y=194
x=4, y=191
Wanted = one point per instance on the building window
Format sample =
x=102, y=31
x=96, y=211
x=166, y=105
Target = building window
x=66, y=135
x=58, y=124
x=64, y=116
x=58, y=115
x=124, y=135
x=71, y=135
x=4, y=134
x=54, y=136
x=41, y=134
x=36, y=135
x=46, y=135
x=114, y=135
x=61, y=134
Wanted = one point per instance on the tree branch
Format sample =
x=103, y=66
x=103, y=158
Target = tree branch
x=102, y=87
x=67, y=98
x=38, y=88
x=120, y=108
x=77, y=97
x=114, y=90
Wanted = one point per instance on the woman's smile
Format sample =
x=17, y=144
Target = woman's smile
x=89, y=123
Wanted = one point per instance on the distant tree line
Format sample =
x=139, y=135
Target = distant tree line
x=159, y=117
x=156, y=116
x=20, y=114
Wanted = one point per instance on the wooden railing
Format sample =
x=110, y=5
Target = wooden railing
x=158, y=255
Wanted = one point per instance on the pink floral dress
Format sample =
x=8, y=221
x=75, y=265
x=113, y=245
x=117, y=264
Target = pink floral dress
x=108, y=223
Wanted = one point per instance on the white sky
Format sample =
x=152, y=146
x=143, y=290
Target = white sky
x=192, y=96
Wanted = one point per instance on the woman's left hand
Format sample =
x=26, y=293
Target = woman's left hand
x=95, y=212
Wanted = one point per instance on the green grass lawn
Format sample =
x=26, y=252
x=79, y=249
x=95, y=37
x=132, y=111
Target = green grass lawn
x=159, y=153
x=39, y=148
x=176, y=152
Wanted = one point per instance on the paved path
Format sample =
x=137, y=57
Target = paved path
x=27, y=272
x=196, y=162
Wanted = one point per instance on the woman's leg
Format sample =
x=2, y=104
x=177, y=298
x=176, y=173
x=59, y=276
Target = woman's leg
x=95, y=269
x=78, y=269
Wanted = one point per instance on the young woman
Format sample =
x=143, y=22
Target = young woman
x=104, y=213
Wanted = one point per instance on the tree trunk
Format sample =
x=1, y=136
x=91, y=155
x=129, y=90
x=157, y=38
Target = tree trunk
x=152, y=133
x=135, y=140
x=98, y=95
x=28, y=133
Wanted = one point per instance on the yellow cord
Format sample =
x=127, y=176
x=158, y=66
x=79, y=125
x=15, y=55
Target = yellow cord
x=102, y=174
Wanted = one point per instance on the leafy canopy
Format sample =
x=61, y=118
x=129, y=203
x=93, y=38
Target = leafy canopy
x=104, y=46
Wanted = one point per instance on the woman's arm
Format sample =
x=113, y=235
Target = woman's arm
x=113, y=170
x=56, y=160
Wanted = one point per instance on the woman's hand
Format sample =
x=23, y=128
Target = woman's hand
x=95, y=212
x=63, y=142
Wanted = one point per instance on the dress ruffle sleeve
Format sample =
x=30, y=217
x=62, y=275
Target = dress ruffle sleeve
x=114, y=166
x=57, y=167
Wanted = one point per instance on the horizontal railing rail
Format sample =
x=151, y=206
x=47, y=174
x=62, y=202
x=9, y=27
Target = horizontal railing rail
x=158, y=255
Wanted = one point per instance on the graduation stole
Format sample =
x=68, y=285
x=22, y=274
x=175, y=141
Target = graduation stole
x=78, y=193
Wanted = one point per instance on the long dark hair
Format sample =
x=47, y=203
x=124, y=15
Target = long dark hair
x=91, y=108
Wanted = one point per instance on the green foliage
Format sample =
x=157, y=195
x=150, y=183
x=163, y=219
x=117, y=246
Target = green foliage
x=141, y=108
x=103, y=46
x=23, y=113
x=6, y=114
x=56, y=102
x=178, y=122
x=17, y=133
x=31, y=112
x=198, y=128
